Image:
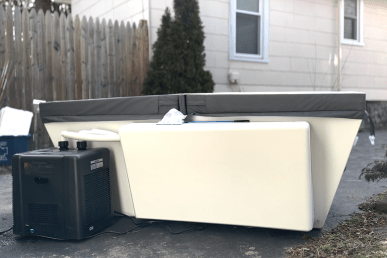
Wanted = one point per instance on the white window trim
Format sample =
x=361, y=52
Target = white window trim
x=360, y=40
x=264, y=36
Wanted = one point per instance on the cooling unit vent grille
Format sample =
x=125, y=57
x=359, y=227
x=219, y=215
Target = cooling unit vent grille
x=43, y=213
x=97, y=195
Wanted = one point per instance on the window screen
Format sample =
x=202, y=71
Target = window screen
x=247, y=34
x=350, y=19
x=248, y=5
x=248, y=27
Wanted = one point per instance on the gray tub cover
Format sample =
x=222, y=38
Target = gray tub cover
x=110, y=109
x=301, y=104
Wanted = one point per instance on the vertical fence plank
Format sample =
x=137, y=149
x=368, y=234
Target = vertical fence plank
x=41, y=55
x=135, y=62
x=91, y=55
x=104, y=60
x=97, y=60
x=141, y=53
x=56, y=71
x=9, y=54
x=145, y=52
x=26, y=75
x=123, y=59
x=63, y=57
x=140, y=60
x=70, y=58
x=129, y=46
x=34, y=70
x=116, y=61
x=18, y=58
x=110, y=59
x=77, y=58
x=49, y=77
x=48, y=47
x=2, y=37
x=84, y=57
x=42, y=134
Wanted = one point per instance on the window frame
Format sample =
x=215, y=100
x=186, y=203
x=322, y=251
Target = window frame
x=263, y=57
x=360, y=24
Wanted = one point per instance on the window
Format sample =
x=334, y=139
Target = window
x=249, y=30
x=352, y=22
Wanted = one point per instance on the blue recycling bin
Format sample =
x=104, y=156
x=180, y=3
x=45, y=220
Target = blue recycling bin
x=9, y=145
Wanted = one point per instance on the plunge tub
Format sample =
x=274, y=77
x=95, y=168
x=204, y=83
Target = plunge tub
x=334, y=119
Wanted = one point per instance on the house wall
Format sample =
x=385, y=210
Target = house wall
x=303, y=44
x=303, y=48
x=120, y=10
x=366, y=67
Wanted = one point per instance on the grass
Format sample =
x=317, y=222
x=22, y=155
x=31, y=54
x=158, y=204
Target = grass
x=354, y=237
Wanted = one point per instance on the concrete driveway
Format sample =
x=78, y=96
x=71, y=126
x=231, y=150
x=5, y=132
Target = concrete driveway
x=214, y=241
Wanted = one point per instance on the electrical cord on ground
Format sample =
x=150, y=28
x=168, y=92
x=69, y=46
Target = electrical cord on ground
x=2, y=232
x=159, y=223
x=137, y=225
x=183, y=231
x=98, y=234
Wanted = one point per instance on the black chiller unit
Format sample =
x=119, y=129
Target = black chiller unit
x=61, y=193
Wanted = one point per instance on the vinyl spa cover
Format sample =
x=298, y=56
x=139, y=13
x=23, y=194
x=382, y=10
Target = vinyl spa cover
x=300, y=104
x=297, y=104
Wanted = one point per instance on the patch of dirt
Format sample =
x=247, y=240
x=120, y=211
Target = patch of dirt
x=355, y=237
x=376, y=172
x=5, y=170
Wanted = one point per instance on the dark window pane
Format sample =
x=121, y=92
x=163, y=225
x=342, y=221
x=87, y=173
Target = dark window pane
x=350, y=28
x=350, y=8
x=248, y=5
x=247, y=34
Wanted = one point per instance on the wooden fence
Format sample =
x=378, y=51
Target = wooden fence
x=61, y=58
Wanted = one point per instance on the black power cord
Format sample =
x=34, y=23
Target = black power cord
x=137, y=225
x=159, y=223
x=2, y=232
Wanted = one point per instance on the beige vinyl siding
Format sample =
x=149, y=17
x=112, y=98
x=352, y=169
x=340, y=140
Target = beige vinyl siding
x=366, y=67
x=304, y=43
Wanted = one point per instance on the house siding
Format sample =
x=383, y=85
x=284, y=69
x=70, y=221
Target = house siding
x=303, y=44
